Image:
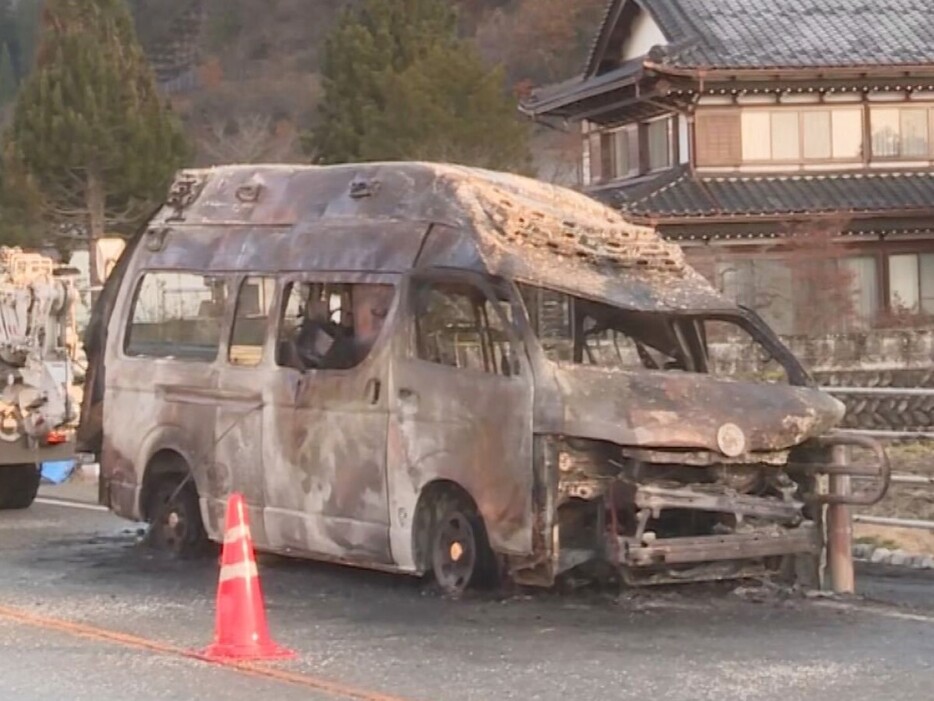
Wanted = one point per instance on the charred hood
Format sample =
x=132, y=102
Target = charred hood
x=673, y=410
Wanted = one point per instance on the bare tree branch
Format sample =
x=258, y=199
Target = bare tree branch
x=251, y=138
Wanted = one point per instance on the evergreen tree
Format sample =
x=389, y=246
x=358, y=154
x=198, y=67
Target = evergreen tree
x=89, y=131
x=400, y=84
x=19, y=223
x=7, y=76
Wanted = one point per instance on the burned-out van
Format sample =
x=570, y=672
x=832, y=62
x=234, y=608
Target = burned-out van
x=426, y=368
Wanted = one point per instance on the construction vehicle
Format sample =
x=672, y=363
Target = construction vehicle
x=38, y=342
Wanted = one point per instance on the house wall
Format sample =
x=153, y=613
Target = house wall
x=684, y=139
x=778, y=133
x=645, y=34
x=822, y=283
x=637, y=149
x=786, y=132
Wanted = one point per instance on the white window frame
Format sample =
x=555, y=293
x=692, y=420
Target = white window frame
x=901, y=108
x=765, y=114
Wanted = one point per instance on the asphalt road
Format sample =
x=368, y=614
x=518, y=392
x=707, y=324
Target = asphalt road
x=88, y=613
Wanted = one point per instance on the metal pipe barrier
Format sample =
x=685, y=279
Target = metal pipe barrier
x=884, y=391
x=839, y=519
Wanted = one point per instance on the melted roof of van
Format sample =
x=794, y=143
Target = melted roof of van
x=392, y=217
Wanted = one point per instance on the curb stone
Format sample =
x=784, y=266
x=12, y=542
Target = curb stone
x=865, y=552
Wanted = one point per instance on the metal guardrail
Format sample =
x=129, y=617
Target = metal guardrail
x=920, y=524
x=907, y=478
x=894, y=522
x=840, y=469
x=876, y=391
x=896, y=478
x=895, y=435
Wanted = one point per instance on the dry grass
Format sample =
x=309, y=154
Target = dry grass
x=905, y=501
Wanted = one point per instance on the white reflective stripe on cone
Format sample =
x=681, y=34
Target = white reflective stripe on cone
x=241, y=570
x=236, y=533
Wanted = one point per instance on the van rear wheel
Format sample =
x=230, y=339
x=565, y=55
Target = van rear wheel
x=461, y=557
x=175, y=525
x=19, y=485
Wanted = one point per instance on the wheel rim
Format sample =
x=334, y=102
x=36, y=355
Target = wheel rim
x=171, y=529
x=455, y=556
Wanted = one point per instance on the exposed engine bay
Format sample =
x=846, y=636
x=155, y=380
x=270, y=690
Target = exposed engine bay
x=669, y=517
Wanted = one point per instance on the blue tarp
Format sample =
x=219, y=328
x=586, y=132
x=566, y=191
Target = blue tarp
x=58, y=472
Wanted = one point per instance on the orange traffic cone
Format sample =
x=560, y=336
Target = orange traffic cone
x=241, y=632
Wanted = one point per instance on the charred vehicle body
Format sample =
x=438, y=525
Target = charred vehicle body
x=428, y=368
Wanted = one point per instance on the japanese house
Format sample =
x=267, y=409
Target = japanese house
x=789, y=147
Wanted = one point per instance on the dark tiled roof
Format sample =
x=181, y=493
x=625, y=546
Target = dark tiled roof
x=757, y=33
x=792, y=33
x=692, y=196
x=578, y=89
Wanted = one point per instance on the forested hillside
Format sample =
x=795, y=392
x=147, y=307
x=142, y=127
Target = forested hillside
x=245, y=74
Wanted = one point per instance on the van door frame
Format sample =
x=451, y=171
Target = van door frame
x=238, y=426
x=178, y=397
x=346, y=518
x=415, y=460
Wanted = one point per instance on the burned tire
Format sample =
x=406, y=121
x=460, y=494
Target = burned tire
x=175, y=525
x=19, y=485
x=460, y=553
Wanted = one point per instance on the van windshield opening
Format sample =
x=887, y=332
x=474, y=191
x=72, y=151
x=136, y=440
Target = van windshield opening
x=577, y=331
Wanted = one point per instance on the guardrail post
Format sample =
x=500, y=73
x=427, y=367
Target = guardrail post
x=840, y=531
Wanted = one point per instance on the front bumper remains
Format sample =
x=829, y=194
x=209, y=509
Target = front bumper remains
x=754, y=544
x=768, y=527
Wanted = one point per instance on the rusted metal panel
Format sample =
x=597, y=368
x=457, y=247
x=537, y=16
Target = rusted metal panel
x=719, y=500
x=766, y=542
x=472, y=430
x=138, y=424
x=389, y=247
x=506, y=225
x=324, y=459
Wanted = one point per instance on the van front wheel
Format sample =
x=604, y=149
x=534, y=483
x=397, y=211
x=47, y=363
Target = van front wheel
x=175, y=525
x=460, y=553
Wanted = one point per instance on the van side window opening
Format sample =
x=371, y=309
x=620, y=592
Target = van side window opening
x=457, y=326
x=578, y=331
x=177, y=315
x=330, y=326
x=251, y=320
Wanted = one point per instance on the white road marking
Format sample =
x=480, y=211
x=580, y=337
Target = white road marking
x=70, y=504
x=876, y=611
